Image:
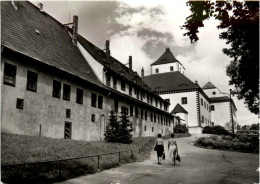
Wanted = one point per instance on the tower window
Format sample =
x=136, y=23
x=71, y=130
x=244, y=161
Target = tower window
x=66, y=92
x=157, y=70
x=184, y=100
x=171, y=68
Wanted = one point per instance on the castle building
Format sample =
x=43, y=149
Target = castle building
x=195, y=106
x=55, y=83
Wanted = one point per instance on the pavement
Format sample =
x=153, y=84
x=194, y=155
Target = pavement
x=197, y=166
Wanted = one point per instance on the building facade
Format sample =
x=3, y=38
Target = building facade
x=191, y=103
x=55, y=83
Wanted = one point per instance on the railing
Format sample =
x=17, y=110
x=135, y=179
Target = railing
x=62, y=169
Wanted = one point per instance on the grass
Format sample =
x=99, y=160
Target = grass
x=18, y=149
x=241, y=143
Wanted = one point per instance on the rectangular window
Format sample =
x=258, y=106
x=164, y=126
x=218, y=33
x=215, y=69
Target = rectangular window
x=207, y=107
x=31, y=81
x=130, y=90
x=184, y=100
x=144, y=128
x=66, y=92
x=201, y=101
x=212, y=107
x=93, y=118
x=131, y=110
x=122, y=85
x=100, y=102
x=151, y=117
x=157, y=70
x=148, y=99
x=108, y=79
x=114, y=82
x=67, y=130
x=137, y=94
x=145, y=115
x=116, y=105
x=160, y=104
x=156, y=102
x=152, y=129
x=171, y=68
x=93, y=100
x=136, y=112
x=19, y=103
x=79, y=97
x=154, y=118
x=56, y=89
x=151, y=100
x=162, y=120
x=202, y=119
x=204, y=104
x=68, y=112
x=142, y=114
x=9, y=74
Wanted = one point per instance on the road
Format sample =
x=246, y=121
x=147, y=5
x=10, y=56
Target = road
x=197, y=166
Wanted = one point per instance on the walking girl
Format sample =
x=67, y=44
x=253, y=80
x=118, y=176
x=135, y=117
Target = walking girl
x=159, y=147
x=173, y=148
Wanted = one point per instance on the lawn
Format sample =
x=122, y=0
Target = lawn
x=17, y=149
x=240, y=143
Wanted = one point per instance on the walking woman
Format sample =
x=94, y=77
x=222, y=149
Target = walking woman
x=173, y=148
x=159, y=148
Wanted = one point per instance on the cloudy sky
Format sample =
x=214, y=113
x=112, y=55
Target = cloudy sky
x=144, y=30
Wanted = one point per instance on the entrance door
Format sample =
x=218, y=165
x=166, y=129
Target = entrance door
x=102, y=127
x=67, y=130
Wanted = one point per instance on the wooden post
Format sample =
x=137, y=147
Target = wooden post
x=98, y=161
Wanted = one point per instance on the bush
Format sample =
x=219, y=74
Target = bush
x=248, y=144
x=180, y=129
x=218, y=130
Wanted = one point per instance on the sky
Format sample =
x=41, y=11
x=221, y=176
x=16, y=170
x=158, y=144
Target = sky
x=144, y=30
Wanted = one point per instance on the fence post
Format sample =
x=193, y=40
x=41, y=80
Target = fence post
x=98, y=161
x=60, y=170
x=119, y=156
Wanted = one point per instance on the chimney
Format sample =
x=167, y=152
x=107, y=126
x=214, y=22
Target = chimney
x=196, y=82
x=40, y=6
x=130, y=63
x=75, y=29
x=168, y=49
x=107, y=50
x=142, y=74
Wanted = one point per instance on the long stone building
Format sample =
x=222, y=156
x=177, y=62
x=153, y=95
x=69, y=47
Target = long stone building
x=55, y=83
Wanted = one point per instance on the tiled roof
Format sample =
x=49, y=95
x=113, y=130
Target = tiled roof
x=38, y=35
x=113, y=65
x=166, y=57
x=209, y=85
x=178, y=109
x=169, y=82
x=221, y=98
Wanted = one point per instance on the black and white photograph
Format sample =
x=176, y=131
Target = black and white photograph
x=130, y=92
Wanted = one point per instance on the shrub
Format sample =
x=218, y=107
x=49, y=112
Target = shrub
x=180, y=129
x=218, y=130
x=246, y=144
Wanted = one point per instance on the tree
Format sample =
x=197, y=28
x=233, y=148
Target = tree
x=112, y=127
x=254, y=127
x=245, y=127
x=119, y=131
x=240, y=24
